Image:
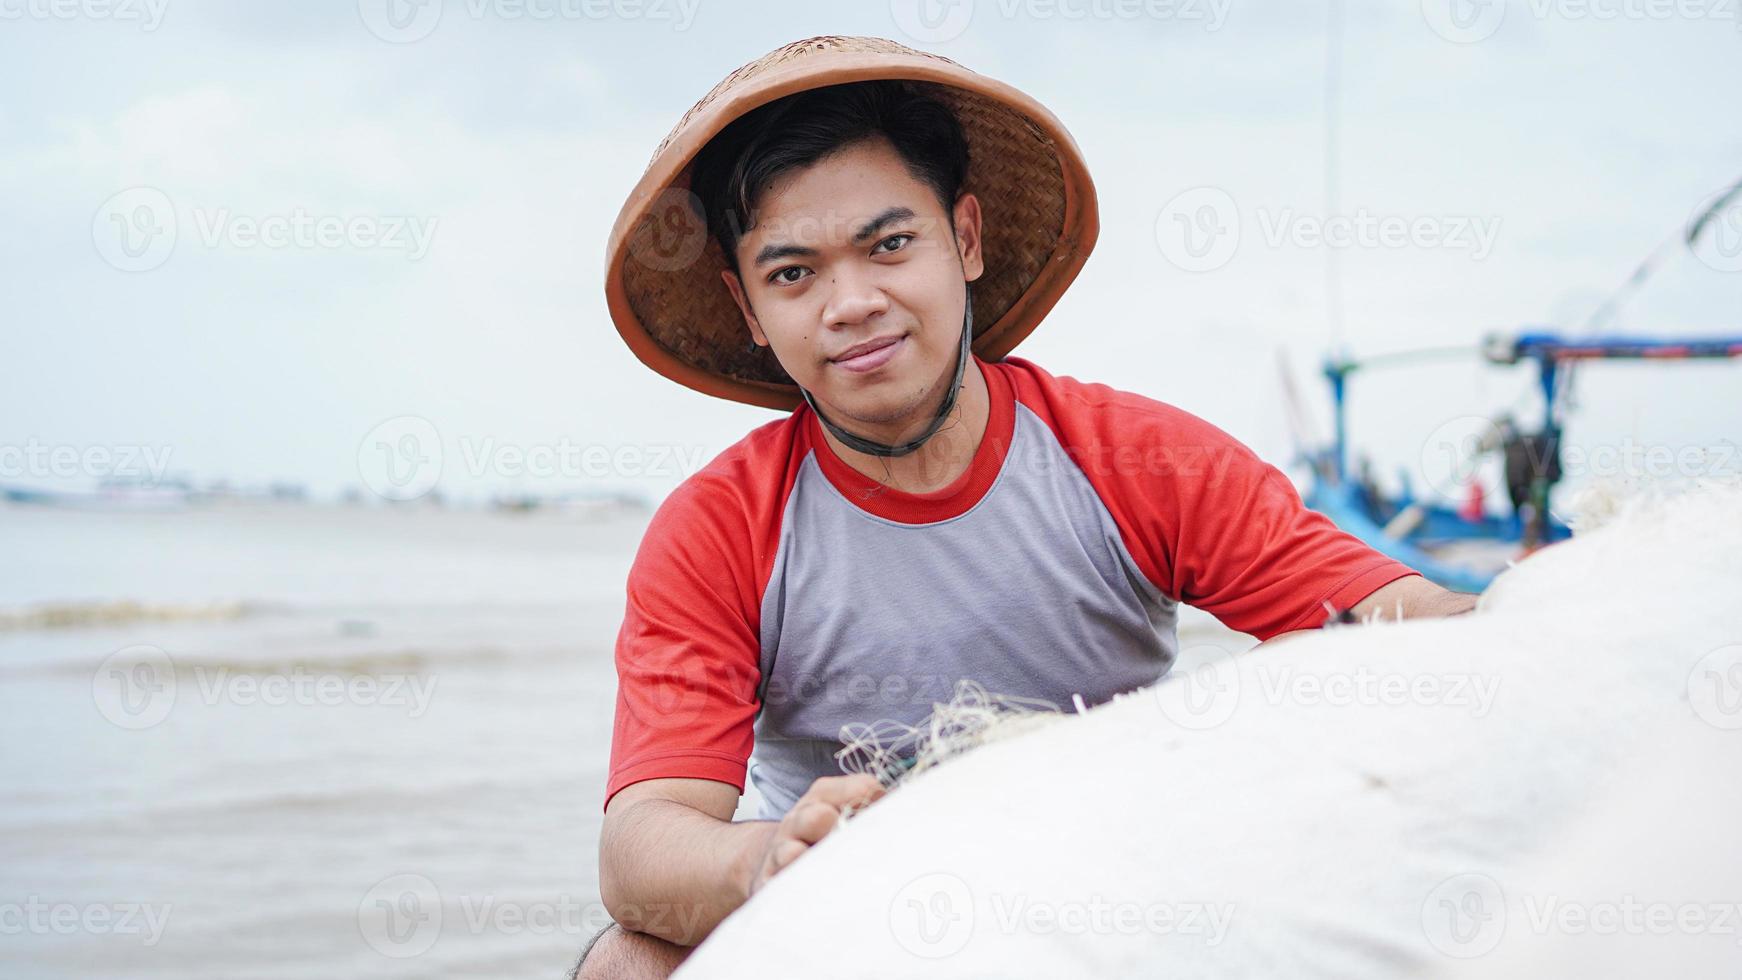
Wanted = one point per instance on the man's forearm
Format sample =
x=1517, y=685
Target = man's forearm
x=672, y=871
x=1413, y=597
x=1447, y=603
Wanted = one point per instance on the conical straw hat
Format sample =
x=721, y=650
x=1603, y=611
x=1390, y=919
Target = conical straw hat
x=662, y=268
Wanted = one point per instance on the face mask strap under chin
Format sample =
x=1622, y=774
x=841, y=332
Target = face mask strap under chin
x=880, y=449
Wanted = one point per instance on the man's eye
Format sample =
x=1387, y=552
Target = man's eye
x=779, y=276
x=903, y=238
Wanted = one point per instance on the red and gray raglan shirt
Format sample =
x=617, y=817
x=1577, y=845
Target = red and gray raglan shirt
x=778, y=594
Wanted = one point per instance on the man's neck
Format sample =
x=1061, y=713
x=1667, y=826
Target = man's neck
x=944, y=457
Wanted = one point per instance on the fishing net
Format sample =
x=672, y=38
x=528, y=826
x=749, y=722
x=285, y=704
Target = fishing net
x=892, y=751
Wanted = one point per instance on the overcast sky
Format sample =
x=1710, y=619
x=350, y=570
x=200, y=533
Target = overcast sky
x=457, y=169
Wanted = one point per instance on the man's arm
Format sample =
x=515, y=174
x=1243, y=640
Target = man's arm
x=672, y=863
x=1410, y=597
x=1413, y=597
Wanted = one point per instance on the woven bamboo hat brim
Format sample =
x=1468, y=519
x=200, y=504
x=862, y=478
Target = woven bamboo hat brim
x=662, y=268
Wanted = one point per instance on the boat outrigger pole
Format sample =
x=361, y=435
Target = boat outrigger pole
x=1553, y=354
x=1337, y=371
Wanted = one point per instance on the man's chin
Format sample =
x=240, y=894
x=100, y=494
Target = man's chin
x=865, y=411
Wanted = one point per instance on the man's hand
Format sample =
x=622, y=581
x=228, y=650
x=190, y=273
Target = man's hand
x=810, y=820
x=1413, y=597
x=1410, y=597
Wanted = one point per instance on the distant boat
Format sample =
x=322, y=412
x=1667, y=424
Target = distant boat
x=1465, y=548
x=108, y=496
x=586, y=504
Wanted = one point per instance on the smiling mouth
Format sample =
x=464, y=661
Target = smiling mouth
x=869, y=356
x=865, y=348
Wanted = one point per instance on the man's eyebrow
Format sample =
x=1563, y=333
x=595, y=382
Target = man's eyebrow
x=891, y=215
x=888, y=217
x=771, y=252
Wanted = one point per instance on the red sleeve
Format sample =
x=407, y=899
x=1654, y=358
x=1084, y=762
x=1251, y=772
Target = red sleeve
x=688, y=653
x=1209, y=522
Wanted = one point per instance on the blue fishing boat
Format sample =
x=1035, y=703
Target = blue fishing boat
x=1463, y=548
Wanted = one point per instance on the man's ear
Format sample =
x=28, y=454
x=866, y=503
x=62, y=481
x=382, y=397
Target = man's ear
x=966, y=217
x=736, y=288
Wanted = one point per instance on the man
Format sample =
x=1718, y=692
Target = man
x=881, y=227
x=1532, y=464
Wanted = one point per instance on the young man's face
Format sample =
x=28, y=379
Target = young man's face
x=850, y=252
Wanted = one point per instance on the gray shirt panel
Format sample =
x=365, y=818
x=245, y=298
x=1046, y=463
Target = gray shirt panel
x=1030, y=592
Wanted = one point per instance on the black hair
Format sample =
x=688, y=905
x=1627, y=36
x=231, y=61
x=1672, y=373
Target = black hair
x=800, y=129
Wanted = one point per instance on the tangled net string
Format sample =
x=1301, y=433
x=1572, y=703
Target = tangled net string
x=892, y=751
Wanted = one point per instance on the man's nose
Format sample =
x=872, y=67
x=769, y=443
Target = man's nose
x=854, y=297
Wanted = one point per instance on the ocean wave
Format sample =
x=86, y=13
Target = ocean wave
x=78, y=818
x=124, y=612
x=353, y=662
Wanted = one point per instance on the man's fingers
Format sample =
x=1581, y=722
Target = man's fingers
x=785, y=853
x=842, y=790
x=816, y=813
x=811, y=822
